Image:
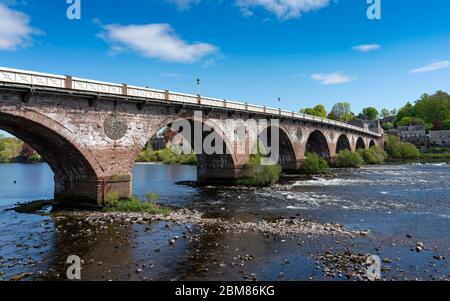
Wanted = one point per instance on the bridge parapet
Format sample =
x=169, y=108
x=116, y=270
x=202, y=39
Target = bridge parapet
x=125, y=92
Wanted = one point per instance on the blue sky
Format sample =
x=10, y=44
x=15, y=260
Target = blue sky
x=248, y=50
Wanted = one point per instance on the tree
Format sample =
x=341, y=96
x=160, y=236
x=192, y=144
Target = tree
x=433, y=109
x=446, y=124
x=318, y=110
x=321, y=111
x=405, y=121
x=341, y=111
x=370, y=113
x=387, y=126
x=385, y=113
x=406, y=111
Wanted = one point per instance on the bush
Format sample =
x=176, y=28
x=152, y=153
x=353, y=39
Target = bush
x=114, y=204
x=314, y=165
x=373, y=155
x=348, y=158
x=263, y=175
x=401, y=150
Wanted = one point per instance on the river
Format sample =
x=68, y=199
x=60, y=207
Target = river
x=400, y=205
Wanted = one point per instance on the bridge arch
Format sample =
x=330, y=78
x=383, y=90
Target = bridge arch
x=317, y=143
x=343, y=143
x=73, y=165
x=286, y=156
x=211, y=168
x=372, y=143
x=360, y=144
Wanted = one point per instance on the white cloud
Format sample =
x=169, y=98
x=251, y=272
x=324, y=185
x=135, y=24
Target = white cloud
x=283, y=9
x=184, y=4
x=156, y=41
x=366, y=47
x=334, y=78
x=15, y=29
x=431, y=67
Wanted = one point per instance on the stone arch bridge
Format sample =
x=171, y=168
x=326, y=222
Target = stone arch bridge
x=90, y=132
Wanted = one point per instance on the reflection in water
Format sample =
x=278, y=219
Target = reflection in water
x=392, y=201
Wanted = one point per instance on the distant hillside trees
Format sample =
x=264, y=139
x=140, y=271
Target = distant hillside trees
x=433, y=111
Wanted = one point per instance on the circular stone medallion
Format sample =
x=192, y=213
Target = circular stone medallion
x=115, y=127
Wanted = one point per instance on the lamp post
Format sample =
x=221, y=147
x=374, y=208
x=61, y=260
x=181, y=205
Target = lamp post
x=198, y=86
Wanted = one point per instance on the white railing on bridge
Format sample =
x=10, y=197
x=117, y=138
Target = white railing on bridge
x=39, y=79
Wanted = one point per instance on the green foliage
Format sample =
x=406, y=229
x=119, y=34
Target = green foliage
x=405, y=121
x=401, y=150
x=314, y=165
x=370, y=113
x=431, y=110
x=166, y=156
x=318, y=110
x=10, y=149
x=348, y=158
x=437, y=153
x=387, y=126
x=13, y=150
x=341, y=111
x=133, y=204
x=406, y=111
x=373, y=155
x=446, y=124
x=263, y=175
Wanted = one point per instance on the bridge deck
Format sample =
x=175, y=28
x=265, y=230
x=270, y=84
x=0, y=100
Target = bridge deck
x=14, y=78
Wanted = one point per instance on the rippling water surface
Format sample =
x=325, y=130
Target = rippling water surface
x=391, y=201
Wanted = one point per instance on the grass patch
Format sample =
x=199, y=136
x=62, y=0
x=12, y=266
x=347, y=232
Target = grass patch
x=32, y=207
x=133, y=204
x=314, y=165
x=348, y=158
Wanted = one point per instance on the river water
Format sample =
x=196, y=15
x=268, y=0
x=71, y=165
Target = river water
x=400, y=205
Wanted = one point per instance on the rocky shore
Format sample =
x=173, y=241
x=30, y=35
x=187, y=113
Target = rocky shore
x=282, y=227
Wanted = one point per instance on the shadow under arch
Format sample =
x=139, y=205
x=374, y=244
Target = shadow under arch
x=212, y=168
x=317, y=143
x=72, y=164
x=372, y=143
x=360, y=144
x=286, y=153
x=343, y=143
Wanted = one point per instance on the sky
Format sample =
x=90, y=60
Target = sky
x=304, y=52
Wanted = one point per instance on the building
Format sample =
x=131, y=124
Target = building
x=371, y=125
x=415, y=134
x=440, y=138
x=393, y=132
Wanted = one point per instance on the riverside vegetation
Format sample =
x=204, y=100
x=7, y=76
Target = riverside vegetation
x=262, y=175
x=133, y=204
x=12, y=150
x=166, y=156
x=395, y=150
